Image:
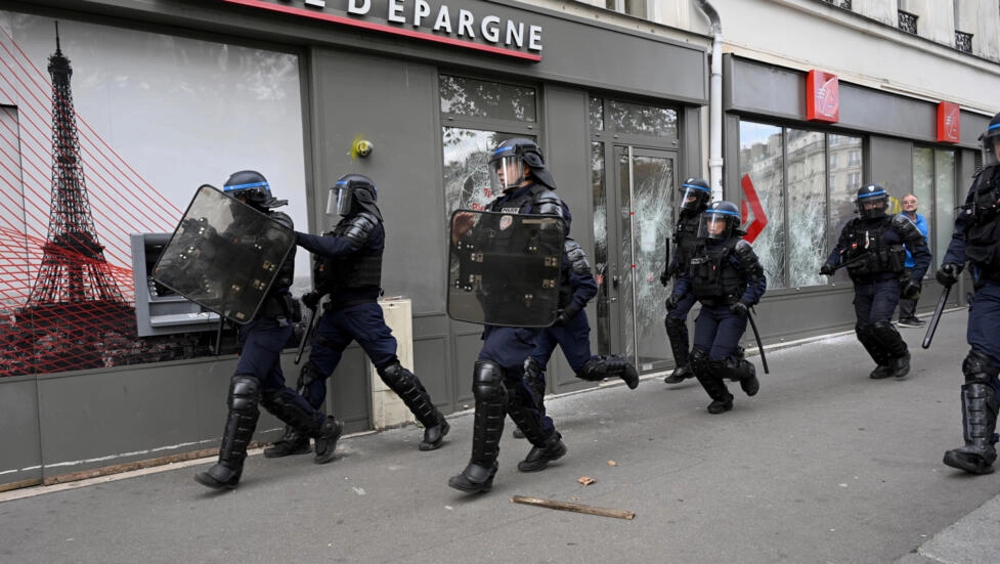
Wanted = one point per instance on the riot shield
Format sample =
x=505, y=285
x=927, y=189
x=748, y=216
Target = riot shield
x=505, y=268
x=224, y=255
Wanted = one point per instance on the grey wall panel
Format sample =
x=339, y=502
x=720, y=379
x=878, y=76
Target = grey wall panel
x=393, y=104
x=691, y=162
x=891, y=164
x=467, y=346
x=21, y=457
x=757, y=88
x=430, y=364
x=575, y=50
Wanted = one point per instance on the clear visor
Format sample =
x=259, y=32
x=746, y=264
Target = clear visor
x=338, y=201
x=990, y=141
x=690, y=198
x=506, y=173
x=712, y=226
x=873, y=206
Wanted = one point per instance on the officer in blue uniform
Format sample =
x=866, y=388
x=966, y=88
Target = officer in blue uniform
x=517, y=168
x=258, y=377
x=695, y=195
x=348, y=269
x=873, y=248
x=725, y=275
x=976, y=240
x=571, y=331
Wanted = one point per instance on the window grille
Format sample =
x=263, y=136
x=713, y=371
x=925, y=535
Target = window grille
x=963, y=41
x=908, y=22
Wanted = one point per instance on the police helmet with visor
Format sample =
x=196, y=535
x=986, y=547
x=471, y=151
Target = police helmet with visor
x=719, y=221
x=872, y=201
x=990, y=139
x=695, y=194
x=510, y=160
x=250, y=187
x=352, y=193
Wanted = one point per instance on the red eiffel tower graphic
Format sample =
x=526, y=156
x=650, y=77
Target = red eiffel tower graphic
x=75, y=310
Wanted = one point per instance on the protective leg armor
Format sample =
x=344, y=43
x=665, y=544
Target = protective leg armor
x=743, y=371
x=895, y=347
x=677, y=334
x=307, y=421
x=534, y=377
x=244, y=394
x=710, y=374
x=600, y=367
x=866, y=336
x=409, y=388
x=487, y=428
x=979, y=417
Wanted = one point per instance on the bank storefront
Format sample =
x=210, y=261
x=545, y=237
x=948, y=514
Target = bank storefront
x=114, y=112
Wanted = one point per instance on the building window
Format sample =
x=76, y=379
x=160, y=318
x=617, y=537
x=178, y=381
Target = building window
x=805, y=192
x=963, y=41
x=478, y=115
x=635, y=8
x=934, y=186
x=845, y=4
x=908, y=22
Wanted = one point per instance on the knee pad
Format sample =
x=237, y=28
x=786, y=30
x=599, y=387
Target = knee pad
x=244, y=391
x=699, y=361
x=487, y=381
x=532, y=369
x=394, y=375
x=979, y=368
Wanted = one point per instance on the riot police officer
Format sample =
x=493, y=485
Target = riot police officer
x=518, y=169
x=695, y=194
x=976, y=240
x=725, y=276
x=349, y=271
x=258, y=376
x=571, y=331
x=873, y=248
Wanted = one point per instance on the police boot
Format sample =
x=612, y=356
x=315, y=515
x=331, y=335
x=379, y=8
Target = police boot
x=292, y=409
x=711, y=380
x=677, y=334
x=889, y=350
x=539, y=456
x=293, y=442
x=544, y=449
x=409, y=388
x=745, y=373
x=979, y=421
x=244, y=393
x=487, y=428
x=601, y=367
x=899, y=367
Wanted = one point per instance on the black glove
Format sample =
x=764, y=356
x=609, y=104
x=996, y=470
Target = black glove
x=672, y=302
x=948, y=273
x=565, y=315
x=909, y=289
x=664, y=278
x=826, y=270
x=311, y=300
x=740, y=309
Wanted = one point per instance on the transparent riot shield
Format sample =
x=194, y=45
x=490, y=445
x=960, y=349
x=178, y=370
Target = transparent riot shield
x=224, y=255
x=505, y=268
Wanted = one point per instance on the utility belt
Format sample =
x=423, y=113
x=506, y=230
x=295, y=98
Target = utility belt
x=282, y=306
x=888, y=260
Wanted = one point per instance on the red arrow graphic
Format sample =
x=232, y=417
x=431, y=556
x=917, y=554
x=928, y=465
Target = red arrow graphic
x=759, y=215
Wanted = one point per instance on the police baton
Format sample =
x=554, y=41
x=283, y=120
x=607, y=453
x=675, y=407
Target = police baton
x=756, y=335
x=932, y=326
x=313, y=322
x=855, y=260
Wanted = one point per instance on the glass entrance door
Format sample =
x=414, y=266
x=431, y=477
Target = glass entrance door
x=638, y=217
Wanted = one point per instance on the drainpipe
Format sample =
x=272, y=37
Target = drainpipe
x=714, y=102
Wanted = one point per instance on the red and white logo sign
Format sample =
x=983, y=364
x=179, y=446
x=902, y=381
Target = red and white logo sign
x=822, y=97
x=949, y=122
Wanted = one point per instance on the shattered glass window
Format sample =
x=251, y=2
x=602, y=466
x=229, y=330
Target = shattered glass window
x=762, y=176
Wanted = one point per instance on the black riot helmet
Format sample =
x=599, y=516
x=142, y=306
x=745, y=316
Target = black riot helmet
x=872, y=201
x=989, y=139
x=351, y=194
x=250, y=187
x=511, y=158
x=719, y=221
x=695, y=194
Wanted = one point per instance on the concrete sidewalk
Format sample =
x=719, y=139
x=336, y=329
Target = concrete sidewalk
x=823, y=465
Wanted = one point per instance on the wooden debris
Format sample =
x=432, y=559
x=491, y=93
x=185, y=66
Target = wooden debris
x=576, y=507
x=586, y=480
x=612, y=463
